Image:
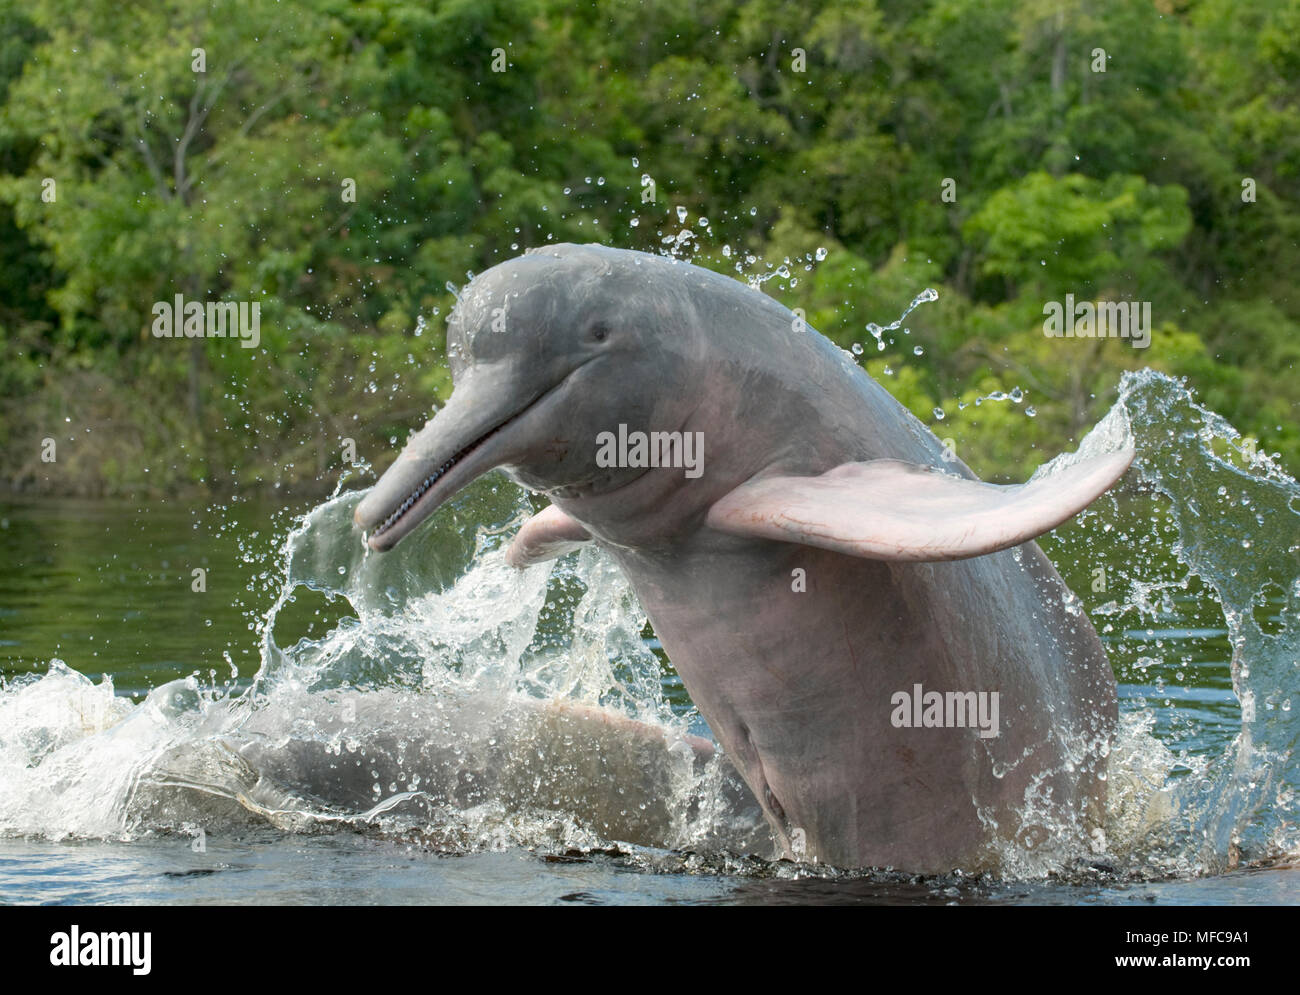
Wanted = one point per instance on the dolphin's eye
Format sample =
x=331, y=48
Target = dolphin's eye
x=599, y=332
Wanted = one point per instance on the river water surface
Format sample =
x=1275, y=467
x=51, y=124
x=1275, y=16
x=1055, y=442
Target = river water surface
x=234, y=703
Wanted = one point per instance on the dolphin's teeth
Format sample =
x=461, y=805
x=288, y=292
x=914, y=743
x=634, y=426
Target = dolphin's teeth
x=432, y=479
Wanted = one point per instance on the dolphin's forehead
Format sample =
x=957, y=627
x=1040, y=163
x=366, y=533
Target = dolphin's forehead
x=538, y=294
x=540, y=305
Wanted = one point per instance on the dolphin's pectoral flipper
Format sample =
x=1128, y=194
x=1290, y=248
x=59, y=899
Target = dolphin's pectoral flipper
x=548, y=534
x=892, y=510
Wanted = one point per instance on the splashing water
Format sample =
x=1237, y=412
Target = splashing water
x=877, y=332
x=1200, y=533
x=456, y=698
x=472, y=706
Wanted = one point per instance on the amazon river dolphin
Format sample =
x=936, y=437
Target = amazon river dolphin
x=845, y=602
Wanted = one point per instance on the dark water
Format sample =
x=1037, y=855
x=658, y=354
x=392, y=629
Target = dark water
x=344, y=869
x=107, y=587
x=354, y=728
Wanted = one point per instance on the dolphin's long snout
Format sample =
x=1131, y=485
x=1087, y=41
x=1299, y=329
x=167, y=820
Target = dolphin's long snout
x=461, y=443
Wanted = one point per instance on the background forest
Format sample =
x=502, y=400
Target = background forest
x=980, y=147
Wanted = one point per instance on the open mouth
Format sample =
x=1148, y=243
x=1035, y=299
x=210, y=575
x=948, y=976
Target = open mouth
x=425, y=497
x=416, y=496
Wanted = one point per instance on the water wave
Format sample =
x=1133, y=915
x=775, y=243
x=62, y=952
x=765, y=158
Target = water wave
x=462, y=703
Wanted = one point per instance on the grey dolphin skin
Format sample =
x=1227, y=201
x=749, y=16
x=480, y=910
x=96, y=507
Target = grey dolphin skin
x=897, y=671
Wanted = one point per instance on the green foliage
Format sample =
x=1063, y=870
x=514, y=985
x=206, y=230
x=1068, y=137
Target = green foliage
x=228, y=184
x=1075, y=232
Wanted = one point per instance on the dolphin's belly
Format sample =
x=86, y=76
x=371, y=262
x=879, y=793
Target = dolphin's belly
x=813, y=669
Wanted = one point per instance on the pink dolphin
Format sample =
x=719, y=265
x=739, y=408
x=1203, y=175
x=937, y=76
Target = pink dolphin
x=892, y=663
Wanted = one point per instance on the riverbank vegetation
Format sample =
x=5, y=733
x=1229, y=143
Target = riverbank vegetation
x=342, y=164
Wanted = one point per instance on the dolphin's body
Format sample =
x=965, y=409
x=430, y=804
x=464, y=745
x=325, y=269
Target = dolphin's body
x=827, y=559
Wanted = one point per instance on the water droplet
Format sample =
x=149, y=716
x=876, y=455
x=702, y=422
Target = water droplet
x=938, y=414
x=821, y=253
x=918, y=351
